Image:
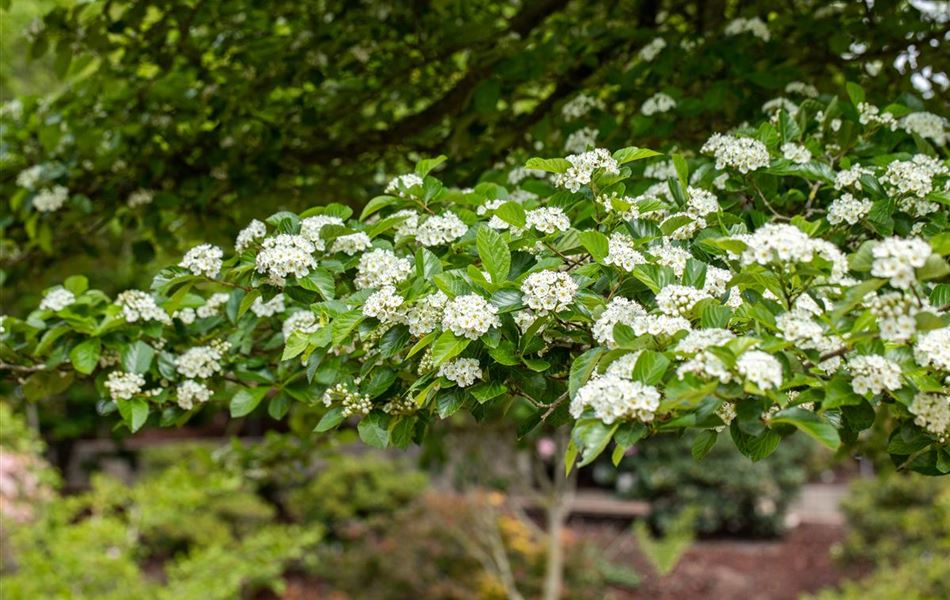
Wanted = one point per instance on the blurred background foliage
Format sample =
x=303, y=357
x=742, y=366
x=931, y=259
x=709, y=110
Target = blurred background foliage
x=226, y=110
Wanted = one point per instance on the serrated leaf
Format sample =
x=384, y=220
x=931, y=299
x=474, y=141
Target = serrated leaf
x=85, y=356
x=330, y=420
x=246, y=400
x=595, y=243
x=550, y=165
x=137, y=357
x=373, y=430
x=447, y=347
x=493, y=252
x=811, y=424
x=591, y=436
x=632, y=153
x=703, y=443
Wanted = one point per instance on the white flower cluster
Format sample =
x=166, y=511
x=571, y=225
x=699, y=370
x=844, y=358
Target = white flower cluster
x=426, y=314
x=896, y=259
x=204, y=260
x=580, y=140
x=580, y=105
x=679, y=300
x=381, y=267
x=700, y=203
x=851, y=176
x=190, y=392
x=801, y=88
x=623, y=366
x=29, y=177
x=410, y=225
x=583, y=166
x=352, y=402
x=926, y=125
x=775, y=106
x=463, y=371
x=57, y=299
x=621, y=252
x=212, y=304
x=848, y=209
x=913, y=177
x=652, y=50
x=303, y=321
x=704, y=363
x=932, y=412
x=140, y=197
x=615, y=398
x=519, y=174
x=662, y=170
x=351, y=244
x=760, y=368
x=311, y=226
x=201, y=362
x=385, y=305
x=270, y=308
x=868, y=114
x=618, y=310
x=657, y=103
x=50, y=199
x=549, y=291
x=895, y=314
x=139, y=306
x=469, y=316
x=441, y=229
x=742, y=154
x=547, y=220
x=123, y=386
x=255, y=230
x=873, y=373
x=671, y=256
x=402, y=184
x=778, y=242
x=285, y=255
x=659, y=325
x=797, y=153
x=754, y=25
x=933, y=349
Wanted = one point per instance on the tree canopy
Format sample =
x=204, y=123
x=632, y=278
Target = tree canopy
x=174, y=118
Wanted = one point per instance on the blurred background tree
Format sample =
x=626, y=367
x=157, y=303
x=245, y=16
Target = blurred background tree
x=162, y=119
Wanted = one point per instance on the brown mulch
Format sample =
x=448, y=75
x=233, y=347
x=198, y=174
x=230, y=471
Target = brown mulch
x=781, y=569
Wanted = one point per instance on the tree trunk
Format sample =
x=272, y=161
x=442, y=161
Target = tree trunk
x=558, y=509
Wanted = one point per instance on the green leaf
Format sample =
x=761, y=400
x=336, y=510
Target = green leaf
x=494, y=253
x=246, y=400
x=551, y=165
x=330, y=420
x=295, y=345
x=591, y=436
x=137, y=357
x=650, y=367
x=632, y=153
x=682, y=169
x=448, y=347
x=320, y=281
x=855, y=92
x=85, y=356
x=596, y=243
x=511, y=213
x=344, y=324
x=755, y=447
x=377, y=204
x=626, y=436
x=77, y=284
x=581, y=369
x=484, y=392
x=811, y=424
x=425, y=166
x=935, y=267
x=373, y=430
x=703, y=443
x=673, y=223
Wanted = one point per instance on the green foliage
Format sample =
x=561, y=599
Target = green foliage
x=350, y=488
x=893, y=517
x=758, y=308
x=214, y=535
x=920, y=577
x=729, y=494
x=665, y=552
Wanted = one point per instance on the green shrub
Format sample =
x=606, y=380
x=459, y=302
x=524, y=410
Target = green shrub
x=355, y=487
x=731, y=494
x=921, y=577
x=896, y=516
x=210, y=534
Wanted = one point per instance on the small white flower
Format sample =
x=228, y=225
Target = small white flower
x=652, y=50
x=199, y=362
x=254, y=231
x=381, y=267
x=848, y=209
x=140, y=197
x=351, y=244
x=270, y=308
x=583, y=166
x=385, y=305
x=742, y=154
x=679, y=300
x=547, y=220
x=426, y=314
x=760, y=368
x=796, y=153
x=303, y=321
x=463, y=371
x=190, y=392
x=932, y=412
x=873, y=373
x=657, y=103
x=470, y=316
x=614, y=398
x=618, y=310
x=50, y=199
x=549, y=291
x=139, y=306
x=401, y=185
x=441, y=229
x=123, y=386
x=311, y=226
x=754, y=25
x=933, y=349
x=57, y=299
x=621, y=252
x=896, y=259
x=285, y=255
x=204, y=260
